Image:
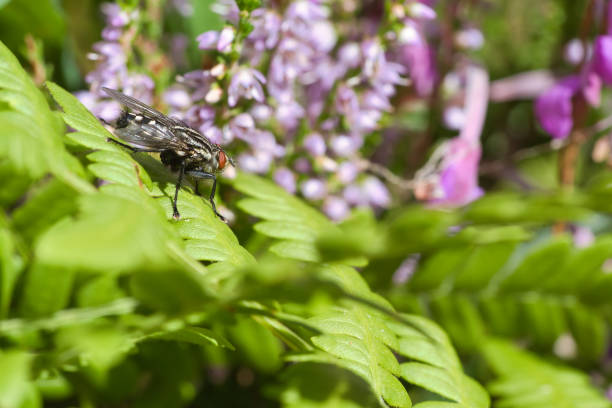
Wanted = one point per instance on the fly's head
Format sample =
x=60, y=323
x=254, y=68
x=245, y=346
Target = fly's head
x=222, y=159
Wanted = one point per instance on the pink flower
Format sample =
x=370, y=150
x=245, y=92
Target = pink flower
x=459, y=176
x=602, y=58
x=553, y=108
x=420, y=60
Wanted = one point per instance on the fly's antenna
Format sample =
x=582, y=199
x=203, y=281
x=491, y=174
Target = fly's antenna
x=229, y=158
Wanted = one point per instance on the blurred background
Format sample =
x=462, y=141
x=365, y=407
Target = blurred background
x=459, y=153
x=54, y=41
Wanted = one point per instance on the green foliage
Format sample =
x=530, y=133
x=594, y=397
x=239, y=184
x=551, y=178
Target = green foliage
x=32, y=133
x=41, y=19
x=520, y=35
x=100, y=284
x=528, y=381
x=354, y=336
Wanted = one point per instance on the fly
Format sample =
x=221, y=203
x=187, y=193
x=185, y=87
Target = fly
x=184, y=149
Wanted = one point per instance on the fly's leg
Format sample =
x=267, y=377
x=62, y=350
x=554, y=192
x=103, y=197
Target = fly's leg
x=211, y=198
x=176, y=214
x=197, y=188
x=108, y=139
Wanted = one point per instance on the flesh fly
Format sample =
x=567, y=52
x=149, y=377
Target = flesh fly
x=182, y=148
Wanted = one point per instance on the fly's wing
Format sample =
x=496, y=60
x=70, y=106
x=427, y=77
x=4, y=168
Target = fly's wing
x=150, y=137
x=136, y=106
x=156, y=131
x=153, y=132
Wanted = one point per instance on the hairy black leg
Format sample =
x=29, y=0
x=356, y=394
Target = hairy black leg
x=176, y=214
x=108, y=139
x=131, y=148
x=204, y=175
x=197, y=187
x=105, y=122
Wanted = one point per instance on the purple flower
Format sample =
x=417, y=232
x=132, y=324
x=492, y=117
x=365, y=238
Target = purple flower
x=375, y=101
x=306, y=11
x=111, y=33
x=347, y=172
x=107, y=110
x=199, y=81
x=259, y=162
x=264, y=141
x=582, y=236
x=406, y=270
x=553, y=108
x=376, y=192
x=325, y=38
x=139, y=86
x=454, y=117
x=261, y=112
x=228, y=9
x=591, y=89
x=177, y=97
x=346, y=100
x=184, y=7
x=470, y=38
x=241, y=127
x=602, y=58
x=420, y=10
x=344, y=145
x=574, y=51
x=289, y=114
x=86, y=98
x=111, y=53
x=355, y=195
x=336, y=208
x=291, y=59
x=313, y=189
x=377, y=69
x=409, y=34
x=315, y=144
x=214, y=134
x=246, y=83
x=302, y=165
x=114, y=15
x=458, y=184
x=349, y=55
x=226, y=37
x=208, y=40
x=286, y=179
x=266, y=29
x=419, y=58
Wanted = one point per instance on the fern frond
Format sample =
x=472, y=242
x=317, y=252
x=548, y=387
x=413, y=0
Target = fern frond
x=535, y=292
x=526, y=381
x=357, y=336
x=31, y=132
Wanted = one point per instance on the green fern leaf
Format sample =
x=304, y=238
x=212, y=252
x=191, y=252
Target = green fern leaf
x=110, y=162
x=46, y=204
x=526, y=381
x=357, y=337
x=11, y=266
x=286, y=218
x=14, y=378
x=195, y=335
x=32, y=133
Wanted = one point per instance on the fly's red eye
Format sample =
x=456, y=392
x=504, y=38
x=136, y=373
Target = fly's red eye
x=222, y=160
